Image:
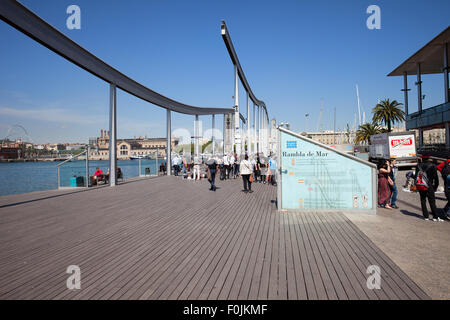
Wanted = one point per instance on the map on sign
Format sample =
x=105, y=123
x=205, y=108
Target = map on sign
x=313, y=177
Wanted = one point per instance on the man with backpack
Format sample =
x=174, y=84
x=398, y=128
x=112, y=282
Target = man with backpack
x=427, y=182
x=444, y=168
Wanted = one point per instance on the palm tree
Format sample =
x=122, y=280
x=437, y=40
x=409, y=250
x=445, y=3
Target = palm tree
x=388, y=112
x=365, y=131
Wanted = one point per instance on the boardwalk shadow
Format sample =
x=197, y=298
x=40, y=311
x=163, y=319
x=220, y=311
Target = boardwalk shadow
x=70, y=193
x=411, y=214
x=49, y=197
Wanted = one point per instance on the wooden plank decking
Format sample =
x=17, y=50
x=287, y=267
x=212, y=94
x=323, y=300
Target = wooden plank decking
x=166, y=238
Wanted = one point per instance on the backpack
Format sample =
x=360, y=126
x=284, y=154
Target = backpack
x=446, y=174
x=421, y=181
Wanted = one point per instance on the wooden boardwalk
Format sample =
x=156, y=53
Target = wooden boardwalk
x=165, y=238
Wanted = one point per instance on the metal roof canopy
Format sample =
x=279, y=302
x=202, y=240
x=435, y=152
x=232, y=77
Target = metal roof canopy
x=430, y=57
x=229, y=44
x=24, y=20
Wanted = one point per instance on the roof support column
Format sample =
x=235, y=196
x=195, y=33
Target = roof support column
x=446, y=72
x=169, y=144
x=112, y=135
x=405, y=91
x=258, y=135
x=254, y=129
x=248, y=126
x=419, y=100
x=213, y=139
x=196, y=136
x=223, y=134
x=237, y=119
x=266, y=133
x=419, y=88
x=261, y=126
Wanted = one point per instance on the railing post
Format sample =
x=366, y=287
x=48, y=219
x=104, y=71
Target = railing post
x=139, y=166
x=156, y=159
x=112, y=135
x=57, y=174
x=87, y=166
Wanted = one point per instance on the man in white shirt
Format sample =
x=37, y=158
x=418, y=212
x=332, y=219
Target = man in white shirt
x=232, y=164
x=175, y=165
x=196, y=174
x=226, y=166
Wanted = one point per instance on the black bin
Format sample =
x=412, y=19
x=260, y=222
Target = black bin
x=80, y=182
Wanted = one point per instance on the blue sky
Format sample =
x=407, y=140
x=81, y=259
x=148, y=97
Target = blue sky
x=294, y=54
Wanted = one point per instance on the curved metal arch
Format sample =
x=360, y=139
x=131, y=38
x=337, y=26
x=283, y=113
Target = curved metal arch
x=234, y=58
x=24, y=20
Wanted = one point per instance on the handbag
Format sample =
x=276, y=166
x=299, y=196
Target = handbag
x=250, y=178
x=391, y=183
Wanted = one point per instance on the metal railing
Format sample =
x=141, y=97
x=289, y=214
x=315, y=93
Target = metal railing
x=148, y=170
x=86, y=180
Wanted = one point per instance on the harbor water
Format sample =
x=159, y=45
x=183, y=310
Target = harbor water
x=24, y=177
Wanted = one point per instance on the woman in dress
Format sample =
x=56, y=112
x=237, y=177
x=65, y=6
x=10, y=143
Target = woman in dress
x=384, y=191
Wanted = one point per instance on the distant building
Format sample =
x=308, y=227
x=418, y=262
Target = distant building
x=127, y=148
x=10, y=153
x=51, y=147
x=330, y=137
x=74, y=147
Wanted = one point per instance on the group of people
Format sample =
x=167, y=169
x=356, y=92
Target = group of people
x=387, y=188
x=249, y=168
x=425, y=181
x=229, y=166
x=100, y=176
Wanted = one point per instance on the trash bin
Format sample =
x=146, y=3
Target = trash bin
x=73, y=182
x=80, y=181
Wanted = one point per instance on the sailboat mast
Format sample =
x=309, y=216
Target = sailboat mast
x=359, y=106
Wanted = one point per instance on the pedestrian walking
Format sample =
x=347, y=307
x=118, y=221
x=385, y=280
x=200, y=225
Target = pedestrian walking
x=444, y=168
x=175, y=165
x=258, y=169
x=246, y=172
x=196, y=169
x=236, y=166
x=273, y=170
x=226, y=166
x=232, y=161
x=427, y=182
x=392, y=184
x=211, y=169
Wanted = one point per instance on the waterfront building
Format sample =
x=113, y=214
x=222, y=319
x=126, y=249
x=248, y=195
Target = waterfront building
x=331, y=137
x=126, y=148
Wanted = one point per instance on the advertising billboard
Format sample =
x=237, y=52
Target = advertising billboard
x=317, y=177
x=402, y=146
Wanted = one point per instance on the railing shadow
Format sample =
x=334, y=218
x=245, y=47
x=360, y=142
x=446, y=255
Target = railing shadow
x=132, y=180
